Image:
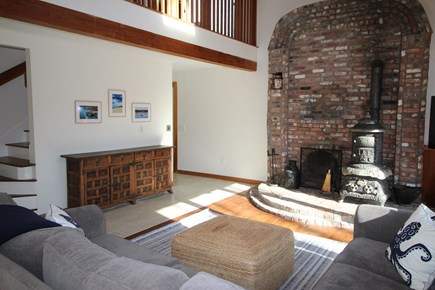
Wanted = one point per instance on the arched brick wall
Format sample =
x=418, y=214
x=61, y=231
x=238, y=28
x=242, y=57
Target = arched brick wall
x=324, y=51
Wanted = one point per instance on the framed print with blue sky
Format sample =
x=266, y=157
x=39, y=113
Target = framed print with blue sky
x=117, y=103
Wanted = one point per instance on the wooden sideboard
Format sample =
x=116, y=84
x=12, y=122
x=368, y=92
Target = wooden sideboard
x=428, y=181
x=109, y=178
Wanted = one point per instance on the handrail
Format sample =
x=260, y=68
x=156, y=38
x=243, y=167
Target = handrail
x=12, y=73
x=236, y=19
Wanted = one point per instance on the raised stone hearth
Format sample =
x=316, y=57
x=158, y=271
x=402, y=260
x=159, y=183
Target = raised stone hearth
x=309, y=206
x=303, y=206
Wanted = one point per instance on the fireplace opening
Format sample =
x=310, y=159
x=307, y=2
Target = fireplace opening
x=315, y=164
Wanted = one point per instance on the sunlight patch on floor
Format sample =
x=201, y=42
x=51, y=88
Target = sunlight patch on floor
x=190, y=194
x=218, y=194
x=237, y=187
x=176, y=210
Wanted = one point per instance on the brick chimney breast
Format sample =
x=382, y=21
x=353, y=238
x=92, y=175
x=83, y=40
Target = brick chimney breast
x=324, y=52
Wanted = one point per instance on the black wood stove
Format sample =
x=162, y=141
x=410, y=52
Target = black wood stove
x=365, y=177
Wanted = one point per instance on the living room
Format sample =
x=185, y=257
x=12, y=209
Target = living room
x=223, y=113
x=214, y=145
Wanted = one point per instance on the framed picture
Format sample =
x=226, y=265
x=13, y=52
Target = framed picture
x=87, y=112
x=141, y=112
x=117, y=103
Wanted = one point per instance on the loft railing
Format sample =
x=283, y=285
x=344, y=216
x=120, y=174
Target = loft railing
x=236, y=19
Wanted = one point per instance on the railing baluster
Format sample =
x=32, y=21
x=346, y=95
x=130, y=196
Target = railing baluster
x=232, y=18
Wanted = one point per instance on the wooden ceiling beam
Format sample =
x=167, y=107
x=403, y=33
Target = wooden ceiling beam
x=12, y=73
x=53, y=16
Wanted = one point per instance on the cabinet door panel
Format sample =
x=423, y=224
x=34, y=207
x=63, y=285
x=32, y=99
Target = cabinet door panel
x=163, y=174
x=144, y=178
x=97, y=186
x=121, y=184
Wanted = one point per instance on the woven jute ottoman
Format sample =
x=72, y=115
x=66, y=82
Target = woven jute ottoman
x=252, y=254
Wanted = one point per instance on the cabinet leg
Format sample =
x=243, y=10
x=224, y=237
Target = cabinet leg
x=170, y=190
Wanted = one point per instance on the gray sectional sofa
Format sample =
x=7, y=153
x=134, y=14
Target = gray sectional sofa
x=89, y=258
x=363, y=264
x=64, y=258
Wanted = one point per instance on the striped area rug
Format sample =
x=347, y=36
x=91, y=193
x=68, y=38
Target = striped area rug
x=313, y=255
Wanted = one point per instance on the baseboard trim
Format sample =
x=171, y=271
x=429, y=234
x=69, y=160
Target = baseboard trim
x=222, y=177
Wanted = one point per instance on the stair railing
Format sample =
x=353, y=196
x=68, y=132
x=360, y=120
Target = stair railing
x=236, y=19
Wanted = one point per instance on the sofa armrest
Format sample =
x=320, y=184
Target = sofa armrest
x=90, y=218
x=379, y=223
x=13, y=276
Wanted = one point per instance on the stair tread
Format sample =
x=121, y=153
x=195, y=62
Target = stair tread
x=4, y=178
x=19, y=144
x=17, y=162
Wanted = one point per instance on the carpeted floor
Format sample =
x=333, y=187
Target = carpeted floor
x=313, y=255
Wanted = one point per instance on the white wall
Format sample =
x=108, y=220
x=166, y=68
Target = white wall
x=65, y=67
x=239, y=98
x=221, y=123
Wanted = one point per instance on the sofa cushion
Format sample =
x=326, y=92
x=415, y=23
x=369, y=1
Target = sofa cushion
x=343, y=276
x=412, y=251
x=58, y=215
x=16, y=220
x=26, y=249
x=13, y=276
x=369, y=255
x=71, y=261
x=125, y=273
x=125, y=248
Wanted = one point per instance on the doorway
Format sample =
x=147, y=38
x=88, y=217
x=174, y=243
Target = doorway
x=175, y=123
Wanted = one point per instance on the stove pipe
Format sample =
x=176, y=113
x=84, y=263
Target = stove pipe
x=376, y=90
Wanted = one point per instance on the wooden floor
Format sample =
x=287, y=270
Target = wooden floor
x=192, y=194
x=240, y=206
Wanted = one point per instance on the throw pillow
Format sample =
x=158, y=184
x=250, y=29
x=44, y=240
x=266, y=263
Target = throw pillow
x=58, y=215
x=16, y=220
x=6, y=199
x=412, y=251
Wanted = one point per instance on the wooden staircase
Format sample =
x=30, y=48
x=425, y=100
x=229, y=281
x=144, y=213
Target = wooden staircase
x=16, y=166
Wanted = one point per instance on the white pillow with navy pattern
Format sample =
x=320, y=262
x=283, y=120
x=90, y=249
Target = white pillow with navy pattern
x=58, y=215
x=412, y=251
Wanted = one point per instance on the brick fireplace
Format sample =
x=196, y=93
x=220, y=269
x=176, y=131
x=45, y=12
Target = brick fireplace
x=324, y=52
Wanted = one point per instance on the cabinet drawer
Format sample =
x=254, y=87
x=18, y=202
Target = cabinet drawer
x=122, y=158
x=144, y=155
x=163, y=152
x=96, y=161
